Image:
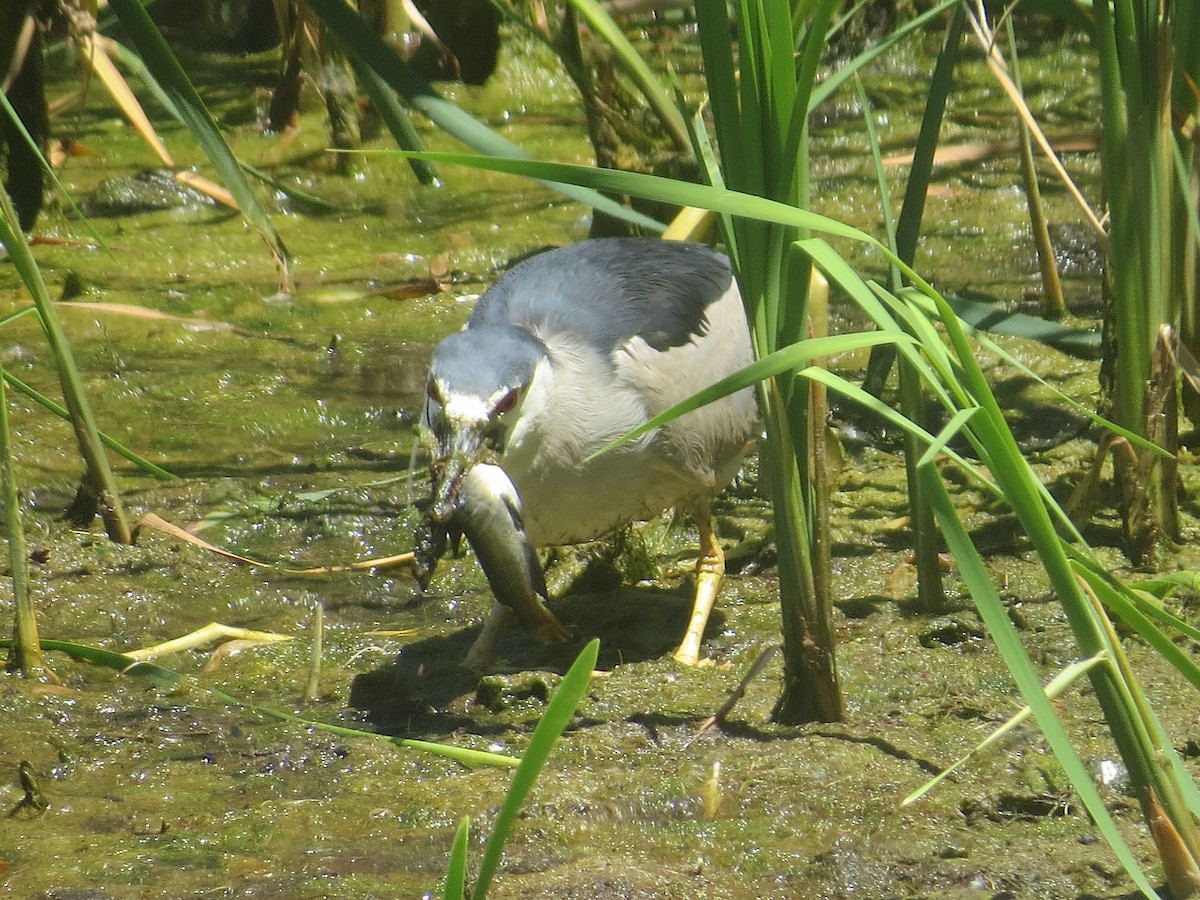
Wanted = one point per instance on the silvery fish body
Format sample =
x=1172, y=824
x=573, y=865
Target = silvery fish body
x=487, y=511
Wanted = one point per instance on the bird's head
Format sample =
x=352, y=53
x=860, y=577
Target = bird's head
x=478, y=382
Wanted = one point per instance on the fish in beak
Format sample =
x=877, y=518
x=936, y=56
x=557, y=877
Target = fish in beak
x=489, y=515
x=487, y=511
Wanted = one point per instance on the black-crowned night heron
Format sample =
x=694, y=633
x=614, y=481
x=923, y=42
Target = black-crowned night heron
x=566, y=352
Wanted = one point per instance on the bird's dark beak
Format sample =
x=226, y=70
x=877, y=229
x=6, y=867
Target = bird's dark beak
x=459, y=445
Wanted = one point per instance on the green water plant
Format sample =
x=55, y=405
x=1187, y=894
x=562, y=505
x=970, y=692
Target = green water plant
x=159, y=69
x=368, y=51
x=1054, y=304
x=630, y=113
x=554, y=721
x=186, y=103
x=163, y=677
x=762, y=89
x=903, y=235
x=760, y=92
x=1149, y=232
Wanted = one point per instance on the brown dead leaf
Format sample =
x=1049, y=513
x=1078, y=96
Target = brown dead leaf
x=439, y=267
x=902, y=580
x=1179, y=866
x=95, y=49
x=141, y=312
x=411, y=290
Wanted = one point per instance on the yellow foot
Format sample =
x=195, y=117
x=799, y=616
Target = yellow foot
x=693, y=660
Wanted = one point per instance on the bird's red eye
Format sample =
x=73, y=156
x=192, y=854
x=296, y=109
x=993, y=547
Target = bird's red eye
x=507, y=402
x=431, y=391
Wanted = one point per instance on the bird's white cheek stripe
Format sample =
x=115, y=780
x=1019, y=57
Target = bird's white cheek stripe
x=465, y=408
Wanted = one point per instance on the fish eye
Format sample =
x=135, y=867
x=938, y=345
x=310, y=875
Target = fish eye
x=507, y=402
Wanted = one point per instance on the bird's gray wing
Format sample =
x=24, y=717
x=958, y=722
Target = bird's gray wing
x=608, y=291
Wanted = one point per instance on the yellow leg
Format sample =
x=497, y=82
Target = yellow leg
x=710, y=570
x=479, y=658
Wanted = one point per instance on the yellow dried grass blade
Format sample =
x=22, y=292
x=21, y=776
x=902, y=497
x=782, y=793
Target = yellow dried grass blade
x=999, y=70
x=201, y=637
x=208, y=187
x=157, y=523
x=95, y=48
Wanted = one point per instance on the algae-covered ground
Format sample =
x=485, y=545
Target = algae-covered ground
x=288, y=420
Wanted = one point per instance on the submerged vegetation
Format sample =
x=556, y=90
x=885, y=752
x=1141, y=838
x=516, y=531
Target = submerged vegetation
x=302, y=357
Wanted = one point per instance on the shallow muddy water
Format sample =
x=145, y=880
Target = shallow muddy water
x=289, y=423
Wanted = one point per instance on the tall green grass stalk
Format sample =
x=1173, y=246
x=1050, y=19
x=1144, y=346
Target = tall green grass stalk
x=98, y=488
x=25, y=655
x=1147, y=52
x=1054, y=305
x=759, y=91
x=904, y=236
x=762, y=90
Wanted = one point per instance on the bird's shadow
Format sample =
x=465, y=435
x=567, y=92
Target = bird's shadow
x=425, y=690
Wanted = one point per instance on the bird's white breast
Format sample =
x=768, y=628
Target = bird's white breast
x=568, y=497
